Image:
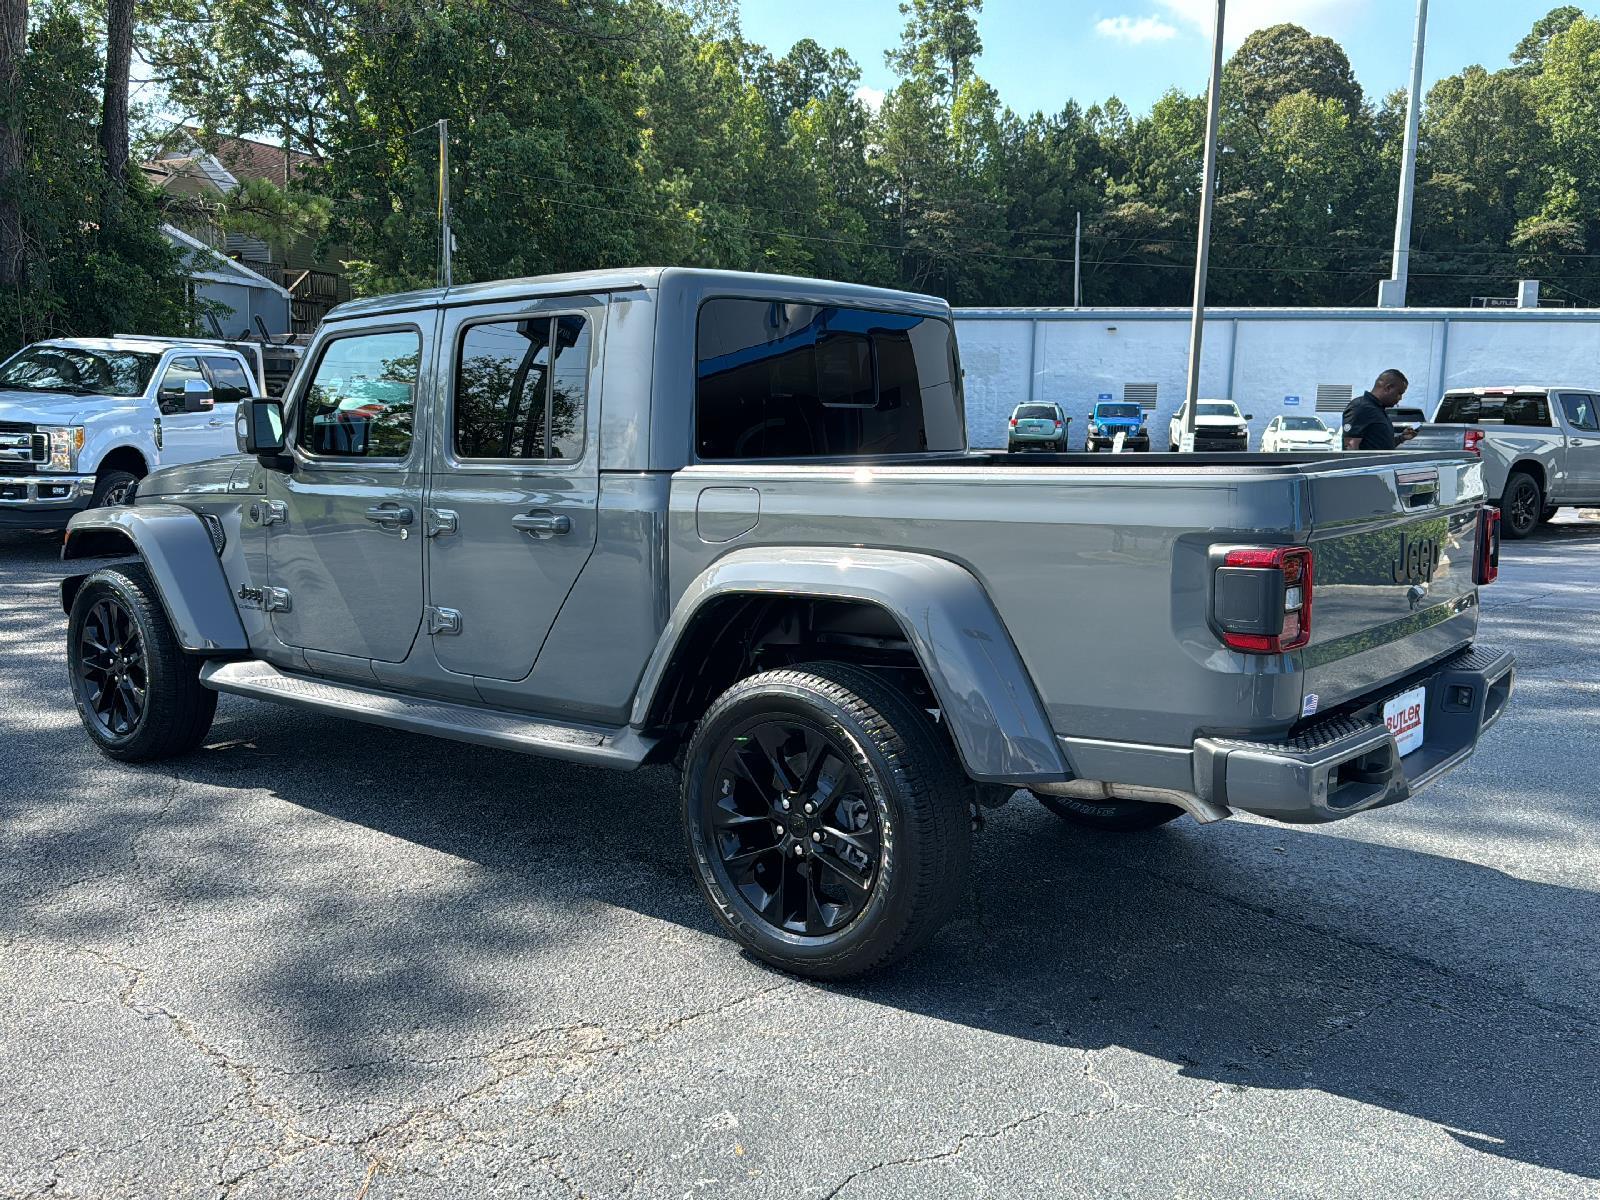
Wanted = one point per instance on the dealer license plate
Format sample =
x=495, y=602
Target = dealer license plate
x=1404, y=717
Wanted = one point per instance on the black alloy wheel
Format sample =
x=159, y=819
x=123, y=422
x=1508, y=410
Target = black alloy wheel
x=114, y=488
x=137, y=692
x=112, y=671
x=796, y=832
x=1522, y=505
x=828, y=818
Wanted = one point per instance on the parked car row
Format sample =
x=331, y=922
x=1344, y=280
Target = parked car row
x=82, y=420
x=1124, y=425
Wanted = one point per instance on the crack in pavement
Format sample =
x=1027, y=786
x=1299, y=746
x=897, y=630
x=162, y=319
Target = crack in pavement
x=962, y=1142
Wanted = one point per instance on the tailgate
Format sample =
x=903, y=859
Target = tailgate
x=1393, y=551
x=1438, y=437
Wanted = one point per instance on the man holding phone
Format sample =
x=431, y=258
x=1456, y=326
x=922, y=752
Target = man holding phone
x=1366, y=418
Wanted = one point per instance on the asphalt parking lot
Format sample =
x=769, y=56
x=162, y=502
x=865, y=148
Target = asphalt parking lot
x=322, y=959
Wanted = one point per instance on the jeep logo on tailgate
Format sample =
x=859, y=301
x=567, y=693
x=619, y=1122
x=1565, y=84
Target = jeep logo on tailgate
x=1417, y=559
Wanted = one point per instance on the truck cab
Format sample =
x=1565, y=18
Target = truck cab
x=82, y=420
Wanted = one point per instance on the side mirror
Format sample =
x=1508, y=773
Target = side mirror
x=198, y=396
x=258, y=425
x=1249, y=416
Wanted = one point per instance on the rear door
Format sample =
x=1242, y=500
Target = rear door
x=345, y=544
x=514, y=491
x=1582, y=411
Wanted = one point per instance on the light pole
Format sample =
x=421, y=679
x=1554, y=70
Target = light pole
x=1392, y=291
x=1208, y=190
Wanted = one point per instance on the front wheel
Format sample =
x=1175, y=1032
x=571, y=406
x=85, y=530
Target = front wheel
x=1521, y=505
x=138, y=694
x=112, y=488
x=827, y=819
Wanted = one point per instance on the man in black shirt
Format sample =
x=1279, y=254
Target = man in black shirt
x=1366, y=419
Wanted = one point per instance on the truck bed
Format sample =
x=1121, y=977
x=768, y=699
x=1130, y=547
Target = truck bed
x=1098, y=563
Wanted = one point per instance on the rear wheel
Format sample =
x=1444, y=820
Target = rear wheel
x=1112, y=816
x=138, y=694
x=827, y=818
x=1521, y=505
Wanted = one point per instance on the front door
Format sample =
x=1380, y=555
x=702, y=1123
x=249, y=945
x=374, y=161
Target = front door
x=345, y=544
x=513, y=500
x=1582, y=410
x=188, y=437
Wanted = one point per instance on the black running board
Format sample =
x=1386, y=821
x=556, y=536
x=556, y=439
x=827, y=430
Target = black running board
x=622, y=748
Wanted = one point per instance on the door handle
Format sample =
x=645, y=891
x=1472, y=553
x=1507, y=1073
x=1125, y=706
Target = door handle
x=390, y=516
x=542, y=524
x=215, y=424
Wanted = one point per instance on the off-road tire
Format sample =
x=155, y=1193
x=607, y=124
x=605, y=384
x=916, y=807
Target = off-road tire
x=1520, y=505
x=1112, y=816
x=915, y=783
x=177, y=709
x=109, y=484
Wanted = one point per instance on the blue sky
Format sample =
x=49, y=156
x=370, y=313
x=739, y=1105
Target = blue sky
x=1040, y=53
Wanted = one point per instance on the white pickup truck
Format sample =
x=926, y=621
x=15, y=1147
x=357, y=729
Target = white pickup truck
x=1540, y=446
x=82, y=420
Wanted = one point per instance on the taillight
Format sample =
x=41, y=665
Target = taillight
x=1058, y=424
x=1271, y=586
x=1471, y=441
x=1013, y=422
x=1488, y=565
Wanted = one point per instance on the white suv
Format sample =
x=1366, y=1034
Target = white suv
x=82, y=420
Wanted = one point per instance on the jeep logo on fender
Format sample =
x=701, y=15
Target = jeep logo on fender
x=1417, y=559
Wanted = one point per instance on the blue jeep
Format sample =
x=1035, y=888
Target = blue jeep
x=1110, y=418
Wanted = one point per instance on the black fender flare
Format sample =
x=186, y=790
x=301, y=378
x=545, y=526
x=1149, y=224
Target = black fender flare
x=175, y=547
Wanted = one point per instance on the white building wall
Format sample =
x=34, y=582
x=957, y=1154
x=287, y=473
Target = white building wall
x=1257, y=357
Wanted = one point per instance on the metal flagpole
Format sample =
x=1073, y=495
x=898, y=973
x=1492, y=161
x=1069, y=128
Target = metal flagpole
x=1208, y=187
x=444, y=202
x=1077, y=262
x=1392, y=291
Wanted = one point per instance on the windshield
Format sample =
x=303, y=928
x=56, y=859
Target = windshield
x=1308, y=423
x=1217, y=410
x=1116, y=410
x=1035, y=412
x=79, y=371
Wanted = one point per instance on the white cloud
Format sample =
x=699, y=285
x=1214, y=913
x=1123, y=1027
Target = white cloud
x=1246, y=16
x=1135, y=30
x=870, y=96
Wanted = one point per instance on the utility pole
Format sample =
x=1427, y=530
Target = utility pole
x=444, y=203
x=1392, y=291
x=1077, y=265
x=1202, y=262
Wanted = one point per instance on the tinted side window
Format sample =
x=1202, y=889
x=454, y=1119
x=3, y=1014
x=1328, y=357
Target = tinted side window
x=179, y=372
x=360, y=400
x=510, y=401
x=778, y=380
x=228, y=380
x=1580, y=410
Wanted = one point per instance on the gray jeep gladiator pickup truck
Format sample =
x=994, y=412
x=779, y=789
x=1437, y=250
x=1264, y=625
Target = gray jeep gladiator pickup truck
x=731, y=521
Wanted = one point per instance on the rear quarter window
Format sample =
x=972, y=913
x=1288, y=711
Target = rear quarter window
x=1528, y=409
x=777, y=380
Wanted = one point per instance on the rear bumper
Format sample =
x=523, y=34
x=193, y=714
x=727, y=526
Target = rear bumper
x=1349, y=763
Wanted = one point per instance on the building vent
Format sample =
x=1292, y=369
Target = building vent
x=1333, y=397
x=1142, y=394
